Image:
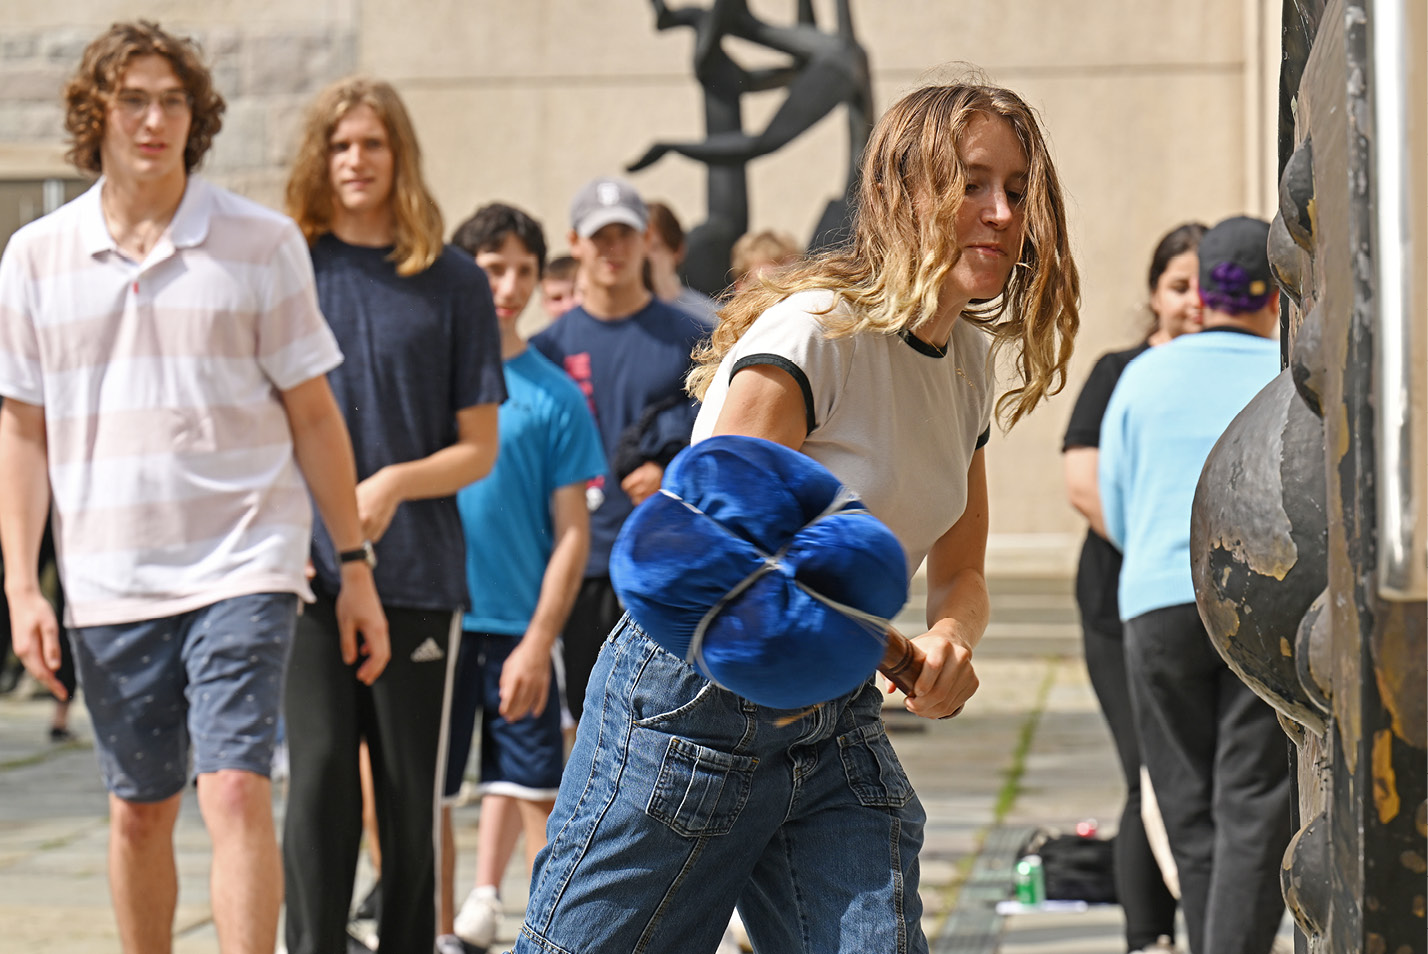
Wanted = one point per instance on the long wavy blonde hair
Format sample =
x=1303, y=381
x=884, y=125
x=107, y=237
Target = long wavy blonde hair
x=904, y=243
x=309, y=192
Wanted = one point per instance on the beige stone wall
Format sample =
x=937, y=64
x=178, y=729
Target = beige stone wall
x=1156, y=111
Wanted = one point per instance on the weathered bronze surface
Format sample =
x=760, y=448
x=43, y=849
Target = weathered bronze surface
x=1294, y=483
x=1257, y=543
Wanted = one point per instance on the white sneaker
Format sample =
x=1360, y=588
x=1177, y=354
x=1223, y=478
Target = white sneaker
x=1163, y=945
x=479, y=917
x=449, y=944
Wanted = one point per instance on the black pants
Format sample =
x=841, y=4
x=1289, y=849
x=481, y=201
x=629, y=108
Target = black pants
x=402, y=717
x=1148, y=904
x=596, y=611
x=1220, y=766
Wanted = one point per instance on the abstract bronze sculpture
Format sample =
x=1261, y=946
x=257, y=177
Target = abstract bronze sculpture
x=826, y=70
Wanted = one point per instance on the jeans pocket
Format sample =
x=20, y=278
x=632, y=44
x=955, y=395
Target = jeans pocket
x=700, y=791
x=670, y=696
x=874, y=773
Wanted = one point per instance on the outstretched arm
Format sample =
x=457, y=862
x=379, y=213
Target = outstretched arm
x=775, y=77
x=958, y=606
x=813, y=94
x=667, y=19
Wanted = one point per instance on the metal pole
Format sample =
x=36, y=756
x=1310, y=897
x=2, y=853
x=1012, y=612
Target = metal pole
x=1398, y=100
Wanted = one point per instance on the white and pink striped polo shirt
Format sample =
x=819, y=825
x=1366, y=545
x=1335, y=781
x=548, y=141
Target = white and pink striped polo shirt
x=170, y=457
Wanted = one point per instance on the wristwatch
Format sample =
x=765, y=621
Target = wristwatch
x=365, y=553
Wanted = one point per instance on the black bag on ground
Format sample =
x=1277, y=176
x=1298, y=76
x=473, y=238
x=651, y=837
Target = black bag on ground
x=1076, y=868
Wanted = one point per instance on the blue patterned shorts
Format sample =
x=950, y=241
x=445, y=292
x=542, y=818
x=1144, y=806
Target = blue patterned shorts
x=205, y=685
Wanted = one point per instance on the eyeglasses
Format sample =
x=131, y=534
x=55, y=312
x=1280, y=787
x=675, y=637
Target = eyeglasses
x=136, y=103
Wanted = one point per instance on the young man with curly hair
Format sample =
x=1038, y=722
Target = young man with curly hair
x=163, y=361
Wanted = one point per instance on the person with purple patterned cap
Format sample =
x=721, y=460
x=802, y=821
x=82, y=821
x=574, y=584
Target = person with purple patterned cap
x=1218, y=761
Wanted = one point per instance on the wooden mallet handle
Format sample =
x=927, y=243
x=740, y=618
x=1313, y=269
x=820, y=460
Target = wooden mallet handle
x=900, y=664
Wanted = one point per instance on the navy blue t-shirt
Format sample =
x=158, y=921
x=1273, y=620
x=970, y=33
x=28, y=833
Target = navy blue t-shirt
x=625, y=368
x=415, y=351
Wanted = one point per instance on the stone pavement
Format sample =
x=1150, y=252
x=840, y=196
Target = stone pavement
x=1031, y=750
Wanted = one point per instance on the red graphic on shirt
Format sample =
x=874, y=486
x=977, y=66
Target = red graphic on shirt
x=578, y=367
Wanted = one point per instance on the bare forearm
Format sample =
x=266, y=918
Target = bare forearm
x=446, y=471
x=558, y=586
x=324, y=454
x=960, y=607
x=443, y=473
x=24, y=494
x=1082, y=487
x=1089, y=506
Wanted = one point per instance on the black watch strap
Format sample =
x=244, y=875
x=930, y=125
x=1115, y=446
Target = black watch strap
x=363, y=554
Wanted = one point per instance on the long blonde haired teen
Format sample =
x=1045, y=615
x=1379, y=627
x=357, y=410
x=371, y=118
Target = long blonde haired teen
x=419, y=386
x=680, y=798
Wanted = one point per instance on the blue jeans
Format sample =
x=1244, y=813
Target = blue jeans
x=681, y=799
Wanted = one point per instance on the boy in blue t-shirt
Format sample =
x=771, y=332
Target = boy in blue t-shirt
x=527, y=539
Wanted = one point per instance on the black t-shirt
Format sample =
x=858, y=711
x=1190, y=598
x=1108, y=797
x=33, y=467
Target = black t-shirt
x=415, y=351
x=1099, y=570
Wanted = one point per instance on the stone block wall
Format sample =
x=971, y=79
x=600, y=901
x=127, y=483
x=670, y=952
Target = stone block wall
x=1154, y=111
x=267, y=76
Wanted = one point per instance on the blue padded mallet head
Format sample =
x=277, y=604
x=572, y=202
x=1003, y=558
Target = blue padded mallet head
x=757, y=566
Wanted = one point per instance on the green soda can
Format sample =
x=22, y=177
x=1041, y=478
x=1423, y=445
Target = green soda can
x=1030, y=880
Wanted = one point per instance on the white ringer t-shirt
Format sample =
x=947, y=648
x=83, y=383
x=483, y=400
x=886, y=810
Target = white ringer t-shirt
x=170, y=456
x=892, y=418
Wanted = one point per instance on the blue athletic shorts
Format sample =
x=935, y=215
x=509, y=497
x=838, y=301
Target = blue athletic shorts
x=522, y=759
x=206, y=684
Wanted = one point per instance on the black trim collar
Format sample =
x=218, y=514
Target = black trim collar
x=923, y=347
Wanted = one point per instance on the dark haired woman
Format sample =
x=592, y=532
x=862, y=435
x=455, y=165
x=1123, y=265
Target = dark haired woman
x=1175, y=302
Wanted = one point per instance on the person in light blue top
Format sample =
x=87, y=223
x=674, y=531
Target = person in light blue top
x=1217, y=759
x=527, y=539
x=1168, y=409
